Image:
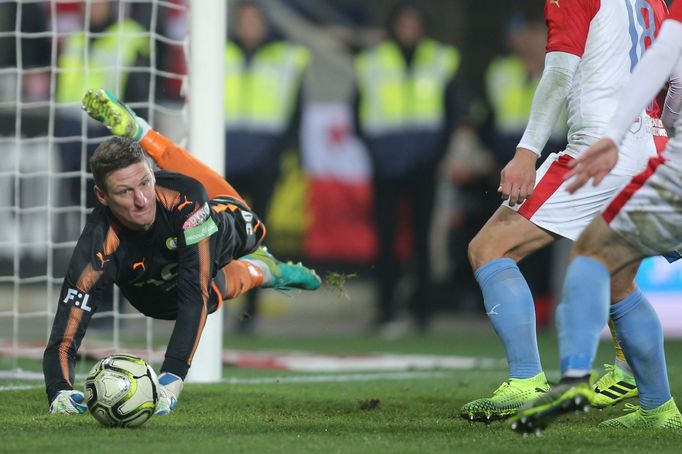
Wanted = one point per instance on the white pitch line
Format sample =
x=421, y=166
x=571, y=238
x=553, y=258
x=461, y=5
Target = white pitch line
x=19, y=387
x=329, y=378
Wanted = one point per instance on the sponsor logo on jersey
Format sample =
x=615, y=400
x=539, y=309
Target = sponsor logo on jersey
x=172, y=243
x=77, y=298
x=198, y=217
x=200, y=232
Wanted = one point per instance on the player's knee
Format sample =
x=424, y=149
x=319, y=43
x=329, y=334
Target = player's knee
x=479, y=251
x=621, y=288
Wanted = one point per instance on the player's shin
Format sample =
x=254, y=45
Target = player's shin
x=582, y=314
x=509, y=306
x=639, y=330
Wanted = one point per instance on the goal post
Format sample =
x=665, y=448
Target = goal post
x=208, y=24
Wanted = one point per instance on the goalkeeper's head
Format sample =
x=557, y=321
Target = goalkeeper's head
x=124, y=182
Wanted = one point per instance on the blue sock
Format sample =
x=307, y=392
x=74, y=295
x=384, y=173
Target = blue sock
x=639, y=333
x=509, y=305
x=583, y=312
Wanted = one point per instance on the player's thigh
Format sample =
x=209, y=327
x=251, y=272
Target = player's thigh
x=506, y=234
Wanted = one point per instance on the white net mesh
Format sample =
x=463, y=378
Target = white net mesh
x=49, y=52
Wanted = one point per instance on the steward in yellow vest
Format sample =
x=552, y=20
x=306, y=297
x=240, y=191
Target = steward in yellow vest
x=263, y=106
x=105, y=59
x=405, y=112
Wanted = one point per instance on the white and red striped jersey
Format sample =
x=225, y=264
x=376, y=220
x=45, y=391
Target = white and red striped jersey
x=610, y=37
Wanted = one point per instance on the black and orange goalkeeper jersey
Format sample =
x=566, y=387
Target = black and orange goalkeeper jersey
x=165, y=272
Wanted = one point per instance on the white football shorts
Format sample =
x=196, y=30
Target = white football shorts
x=647, y=213
x=552, y=208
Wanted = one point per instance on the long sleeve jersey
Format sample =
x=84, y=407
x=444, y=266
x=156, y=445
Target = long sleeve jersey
x=165, y=272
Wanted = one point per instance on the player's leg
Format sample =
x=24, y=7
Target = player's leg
x=170, y=156
x=494, y=252
x=618, y=382
x=582, y=314
x=642, y=220
x=122, y=121
x=261, y=270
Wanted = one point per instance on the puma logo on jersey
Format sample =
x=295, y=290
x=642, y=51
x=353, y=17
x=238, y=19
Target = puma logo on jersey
x=184, y=204
x=555, y=2
x=139, y=264
x=102, y=259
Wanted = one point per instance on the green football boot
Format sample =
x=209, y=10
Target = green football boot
x=563, y=398
x=666, y=416
x=506, y=400
x=104, y=107
x=284, y=276
x=613, y=387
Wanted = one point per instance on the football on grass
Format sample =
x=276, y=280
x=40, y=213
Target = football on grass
x=121, y=391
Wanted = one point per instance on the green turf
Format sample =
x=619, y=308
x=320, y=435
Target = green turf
x=416, y=415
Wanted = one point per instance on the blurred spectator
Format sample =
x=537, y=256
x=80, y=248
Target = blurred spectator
x=112, y=53
x=510, y=82
x=263, y=100
x=34, y=51
x=405, y=113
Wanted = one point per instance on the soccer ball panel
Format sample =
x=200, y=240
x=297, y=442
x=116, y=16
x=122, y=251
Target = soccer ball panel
x=121, y=391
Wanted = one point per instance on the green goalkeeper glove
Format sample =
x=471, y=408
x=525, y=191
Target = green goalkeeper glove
x=120, y=119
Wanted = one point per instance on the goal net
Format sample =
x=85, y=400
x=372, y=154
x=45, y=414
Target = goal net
x=49, y=53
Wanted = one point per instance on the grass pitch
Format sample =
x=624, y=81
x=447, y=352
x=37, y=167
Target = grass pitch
x=274, y=411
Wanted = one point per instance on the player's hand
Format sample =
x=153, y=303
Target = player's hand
x=120, y=119
x=169, y=391
x=69, y=402
x=595, y=163
x=517, y=179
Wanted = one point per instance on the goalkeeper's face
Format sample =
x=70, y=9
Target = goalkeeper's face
x=130, y=195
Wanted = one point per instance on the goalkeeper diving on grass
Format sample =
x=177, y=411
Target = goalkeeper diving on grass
x=177, y=242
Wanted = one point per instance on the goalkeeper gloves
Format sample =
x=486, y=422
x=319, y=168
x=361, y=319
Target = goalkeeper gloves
x=120, y=119
x=68, y=402
x=169, y=391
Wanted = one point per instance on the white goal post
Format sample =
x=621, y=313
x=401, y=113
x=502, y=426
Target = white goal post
x=207, y=141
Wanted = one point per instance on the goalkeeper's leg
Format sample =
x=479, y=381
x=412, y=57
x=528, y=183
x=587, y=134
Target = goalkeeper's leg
x=104, y=107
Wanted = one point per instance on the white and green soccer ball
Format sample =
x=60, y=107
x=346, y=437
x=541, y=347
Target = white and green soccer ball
x=121, y=390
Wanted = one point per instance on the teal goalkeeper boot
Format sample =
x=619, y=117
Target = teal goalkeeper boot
x=285, y=276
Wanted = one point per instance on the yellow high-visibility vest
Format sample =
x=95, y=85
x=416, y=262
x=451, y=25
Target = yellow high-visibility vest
x=394, y=97
x=103, y=63
x=510, y=92
x=261, y=96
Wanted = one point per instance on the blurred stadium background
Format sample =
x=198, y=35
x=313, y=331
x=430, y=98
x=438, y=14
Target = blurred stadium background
x=322, y=203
